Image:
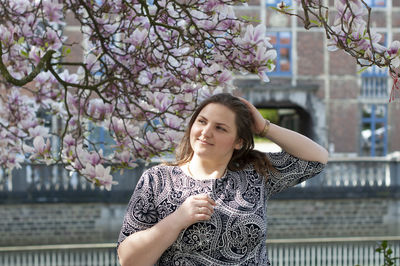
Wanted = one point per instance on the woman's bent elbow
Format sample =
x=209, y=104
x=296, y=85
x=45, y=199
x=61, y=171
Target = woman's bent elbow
x=324, y=156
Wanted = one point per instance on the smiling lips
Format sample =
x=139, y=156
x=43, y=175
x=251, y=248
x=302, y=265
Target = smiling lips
x=203, y=141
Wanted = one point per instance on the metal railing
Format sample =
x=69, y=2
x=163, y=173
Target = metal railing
x=282, y=252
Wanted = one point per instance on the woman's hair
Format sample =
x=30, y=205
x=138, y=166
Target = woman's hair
x=244, y=123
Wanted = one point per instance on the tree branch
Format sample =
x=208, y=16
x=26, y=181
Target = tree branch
x=43, y=65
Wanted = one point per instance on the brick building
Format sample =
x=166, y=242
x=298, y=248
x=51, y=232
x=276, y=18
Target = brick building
x=321, y=93
x=314, y=91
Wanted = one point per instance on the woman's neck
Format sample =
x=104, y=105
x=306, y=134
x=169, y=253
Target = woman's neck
x=201, y=169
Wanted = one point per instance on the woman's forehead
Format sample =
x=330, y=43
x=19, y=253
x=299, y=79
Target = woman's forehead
x=216, y=111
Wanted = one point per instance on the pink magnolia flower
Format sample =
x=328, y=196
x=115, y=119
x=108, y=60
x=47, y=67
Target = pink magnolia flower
x=89, y=171
x=53, y=40
x=95, y=157
x=6, y=35
x=124, y=156
x=173, y=137
x=19, y=6
x=145, y=77
x=40, y=146
x=224, y=77
x=92, y=63
x=99, y=174
x=393, y=53
x=154, y=141
x=28, y=123
x=53, y=11
x=104, y=178
x=69, y=140
x=71, y=78
x=138, y=37
x=162, y=101
x=254, y=35
x=38, y=131
x=344, y=13
x=173, y=121
x=99, y=109
x=117, y=125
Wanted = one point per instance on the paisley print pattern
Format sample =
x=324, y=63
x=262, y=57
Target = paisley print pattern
x=237, y=230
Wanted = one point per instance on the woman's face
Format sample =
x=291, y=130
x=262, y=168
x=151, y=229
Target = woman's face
x=213, y=135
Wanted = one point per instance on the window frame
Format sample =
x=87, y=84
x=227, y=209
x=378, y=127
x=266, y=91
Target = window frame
x=277, y=46
x=373, y=120
x=373, y=3
x=287, y=2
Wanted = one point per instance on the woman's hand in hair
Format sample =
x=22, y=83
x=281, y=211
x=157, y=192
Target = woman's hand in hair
x=258, y=119
x=194, y=209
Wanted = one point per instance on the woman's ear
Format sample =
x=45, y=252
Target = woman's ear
x=239, y=144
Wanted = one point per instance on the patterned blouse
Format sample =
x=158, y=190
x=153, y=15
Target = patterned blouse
x=237, y=230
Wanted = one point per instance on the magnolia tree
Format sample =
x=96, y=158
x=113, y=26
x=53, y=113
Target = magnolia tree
x=146, y=66
x=350, y=31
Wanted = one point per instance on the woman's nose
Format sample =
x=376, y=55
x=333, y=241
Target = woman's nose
x=207, y=131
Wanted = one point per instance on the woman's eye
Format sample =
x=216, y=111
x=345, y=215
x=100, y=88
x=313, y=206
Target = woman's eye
x=221, y=128
x=201, y=121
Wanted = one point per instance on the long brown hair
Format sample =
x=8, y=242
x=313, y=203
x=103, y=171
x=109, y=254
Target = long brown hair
x=244, y=123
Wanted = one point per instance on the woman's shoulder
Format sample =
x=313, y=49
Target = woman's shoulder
x=247, y=169
x=159, y=168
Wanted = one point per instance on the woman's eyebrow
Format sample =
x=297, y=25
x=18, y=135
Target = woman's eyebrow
x=217, y=123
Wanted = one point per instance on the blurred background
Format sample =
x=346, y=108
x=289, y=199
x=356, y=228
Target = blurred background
x=340, y=217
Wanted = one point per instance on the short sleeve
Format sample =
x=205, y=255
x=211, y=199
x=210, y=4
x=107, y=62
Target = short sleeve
x=141, y=213
x=290, y=171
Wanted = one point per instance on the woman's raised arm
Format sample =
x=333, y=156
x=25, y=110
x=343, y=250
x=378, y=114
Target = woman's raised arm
x=292, y=142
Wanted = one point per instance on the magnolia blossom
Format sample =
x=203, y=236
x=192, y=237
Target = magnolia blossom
x=394, y=53
x=38, y=131
x=144, y=70
x=41, y=147
x=99, y=175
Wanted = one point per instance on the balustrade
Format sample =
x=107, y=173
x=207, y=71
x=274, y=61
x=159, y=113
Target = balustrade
x=41, y=181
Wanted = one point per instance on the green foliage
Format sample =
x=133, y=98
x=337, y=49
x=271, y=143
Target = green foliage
x=251, y=19
x=24, y=53
x=283, y=9
x=387, y=252
x=21, y=40
x=270, y=114
x=362, y=70
x=66, y=51
x=316, y=22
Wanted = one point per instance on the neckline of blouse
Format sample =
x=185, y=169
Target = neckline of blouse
x=202, y=180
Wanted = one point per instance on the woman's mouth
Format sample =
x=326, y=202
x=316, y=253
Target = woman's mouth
x=204, y=142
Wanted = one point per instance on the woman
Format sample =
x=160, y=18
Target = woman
x=209, y=208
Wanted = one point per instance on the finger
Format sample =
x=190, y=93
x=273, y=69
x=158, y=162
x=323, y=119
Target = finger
x=258, y=119
x=205, y=210
x=205, y=197
x=205, y=206
x=202, y=217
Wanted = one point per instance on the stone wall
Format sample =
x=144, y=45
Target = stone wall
x=56, y=223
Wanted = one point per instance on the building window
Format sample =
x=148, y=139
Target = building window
x=375, y=3
x=374, y=83
x=282, y=42
x=374, y=130
x=276, y=2
x=374, y=79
